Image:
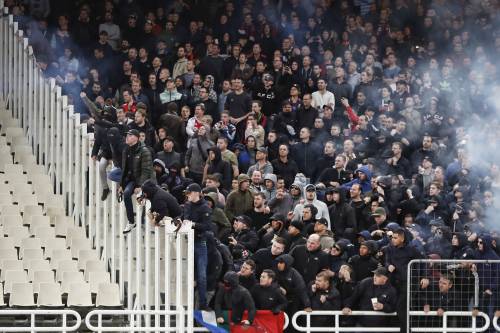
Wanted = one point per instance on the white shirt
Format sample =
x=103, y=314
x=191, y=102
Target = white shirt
x=319, y=99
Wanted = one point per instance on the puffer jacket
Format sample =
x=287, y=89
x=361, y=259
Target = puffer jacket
x=142, y=165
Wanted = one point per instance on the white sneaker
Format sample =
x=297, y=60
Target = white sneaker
x=129, y=228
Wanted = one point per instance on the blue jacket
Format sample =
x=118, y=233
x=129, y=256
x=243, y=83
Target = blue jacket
x=366, y=184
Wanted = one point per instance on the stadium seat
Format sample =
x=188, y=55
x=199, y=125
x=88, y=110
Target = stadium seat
x=9, y=209
x=58, y=255
x=7, y=254
x=22, y=295
x=6, y=199
x=6, y=243
x=11, y=220
x=13, y=169
x=17, y=276
x=31, y=211
x=13, y=131
x=2, y=302
x=46, y=235
x=79, y=295
x=54, y=210
x=94, y=266
x=17, y=234
x=36, y=221
x=31, y=254
x=35, y=265
x=39, y=277
x=108, y=295
x=29, y=243
x=56, y=244
x=10, y=265
x=65, y=266
x=84, y=256
x=78, y=244
x=49, y=295
x=96, y=278
x=70, y=278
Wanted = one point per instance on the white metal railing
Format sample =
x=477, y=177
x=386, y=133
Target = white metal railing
x=33, y=314
x=148, y=264
x=444, y=328
x=336, y=328
x=285, y=324
x=134, y=325
x=495, y=323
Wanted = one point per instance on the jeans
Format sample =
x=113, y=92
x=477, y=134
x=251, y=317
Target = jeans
x=103, y=163
x=201, y=264
x=128, y=191
x=115, y=175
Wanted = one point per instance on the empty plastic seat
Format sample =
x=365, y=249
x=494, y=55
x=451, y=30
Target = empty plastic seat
x=96, y=278
x=108, y=295
x=32, y=210
x=70, y=278
x=84, y=256
x=39, y=277
x=13, y=131
x=17, y=234
x=54, y=210
x=65, y=266
x=36, y=265
x=58, y=255
x=11, y=220
x=22, y=295
x=29, y=243
x=19, y=276
x=46, y=235
x=49, y=295
x=13, y=169
x=31, y=254
x=54, y=200
x=56, y=244
x=37, y=221
x=6, y=199
x=73, y=232
x=94, y=266
x=62, y=223
x=79, y=295
x=10, y=265
x=9, y=209
x=78, y=244
x=8, y=254
x=6, y=243
x=26, y=201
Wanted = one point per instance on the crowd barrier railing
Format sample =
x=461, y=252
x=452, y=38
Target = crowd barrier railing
x=445, y=328
x=74, y=318
x=495, y=323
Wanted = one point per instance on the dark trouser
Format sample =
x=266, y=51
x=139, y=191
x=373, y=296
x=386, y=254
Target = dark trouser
x=201, y=263
x=401, y=305
x=128, y=191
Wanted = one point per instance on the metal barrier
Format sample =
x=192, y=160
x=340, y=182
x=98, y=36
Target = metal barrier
x=467, y=278
x=152, y=266
x=132, y=325
x=33, y=314
x=495, y=323
x=337, y=328
x=285, y=325
x=444, y=328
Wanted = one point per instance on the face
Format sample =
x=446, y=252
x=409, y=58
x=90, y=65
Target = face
x=313, y=243
x=258, y=201
x=397, y=240
x=246, y=270
x=131, y=139
x=277, y=249
x=321, y=283
x=265, y=280
x=379, y=280
x=444, y=285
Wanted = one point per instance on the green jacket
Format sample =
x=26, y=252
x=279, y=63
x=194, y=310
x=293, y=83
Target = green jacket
x=238, y=203
x=142, y=165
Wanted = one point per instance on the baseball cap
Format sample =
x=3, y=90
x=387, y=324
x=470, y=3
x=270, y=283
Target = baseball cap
x=297, y=224
x=379, y=211
x=244, y=219
x=277, y=217
x=262, y=150
x=310, y=188
x=133, y=132
x=193, y=188
x=322, y=221
x=381, y=271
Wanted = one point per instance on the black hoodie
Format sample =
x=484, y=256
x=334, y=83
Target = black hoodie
x=291, y=280
x=218, y=165
x=162, y=202
x=232, y=296
x=343, y=217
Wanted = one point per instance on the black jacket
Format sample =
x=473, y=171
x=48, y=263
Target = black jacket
x=362, y=300
x=201, y=214
x=248, y=239
x=264, y=259
x=236, y=298
x=287, y=171
x=137, y=165
x=306, y=155
x=333, y=175
x=306, y=117
x=291, y=280
x=307, y=263
x=363, y=266
x=162, y=202
x=343, y=218
x=400, y=257
x=218, y=165
x=332, y=302
x=269, y=298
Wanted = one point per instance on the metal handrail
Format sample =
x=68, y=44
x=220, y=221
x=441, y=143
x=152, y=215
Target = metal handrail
x=34, y=313
x=285, y=325
x=495, y=323
x=337, y=328
x=131, y=327
x=444, y=328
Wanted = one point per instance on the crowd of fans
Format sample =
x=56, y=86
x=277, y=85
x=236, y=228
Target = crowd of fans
x=318, y=146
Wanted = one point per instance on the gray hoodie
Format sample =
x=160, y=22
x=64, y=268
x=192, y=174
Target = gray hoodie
x=320, y=205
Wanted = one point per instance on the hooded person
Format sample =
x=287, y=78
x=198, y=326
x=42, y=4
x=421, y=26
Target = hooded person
x=232, y=296
x=270, y=181
x=489, y=274
x=342, y=215
x=215, y=164
x=440, y=243
x=338, y=255
x=220, y=223
x=291, y=283
x=310, y=198
x=277, y=227
x=296, y=193
x=175, y=182
x=364, y=179
x=162, y=203
x=267, y=294
x=241, y=200
x=461, y=248
x=160, y=171
x=364, y=263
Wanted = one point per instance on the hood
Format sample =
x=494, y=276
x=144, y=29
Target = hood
x=161, y=164
x=371, y=245
x=487, y=240
x=232, y=278
x=286, y=258
x=462, y=239
x=149, y=188
x=114, y=136
x=305, y=191
x=365, y=234
x=212, y=82
x=364, y=169
x=343, y=244
x=300, y=180
x=212, y=196
x=217, y=153
x=272, y=177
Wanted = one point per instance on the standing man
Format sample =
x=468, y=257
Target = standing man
x=239, y=104
x=199, y=213
x=137, y=167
